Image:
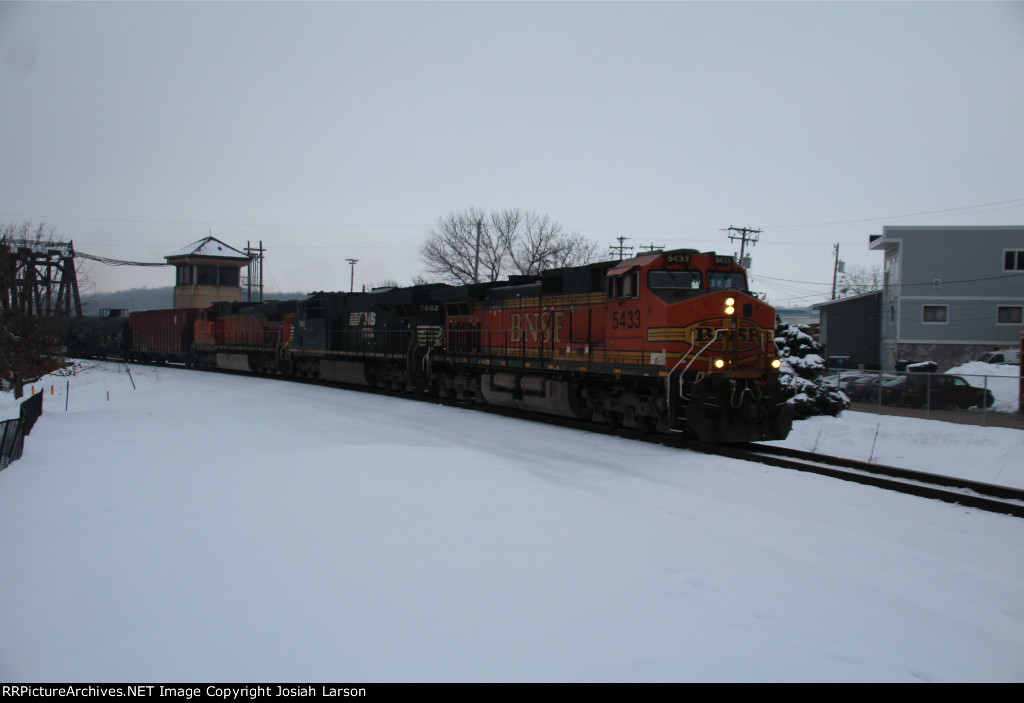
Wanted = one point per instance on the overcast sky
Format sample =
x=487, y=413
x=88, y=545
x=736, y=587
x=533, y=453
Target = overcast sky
x=344, y=130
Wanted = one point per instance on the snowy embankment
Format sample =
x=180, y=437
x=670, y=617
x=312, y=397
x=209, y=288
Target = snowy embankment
x=211, y=527
x=985, y=454
x=1002, y=379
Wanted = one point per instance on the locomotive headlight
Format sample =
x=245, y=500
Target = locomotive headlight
x=729, y=309
x=776, y=363
x=719, y=363
x=730, y=302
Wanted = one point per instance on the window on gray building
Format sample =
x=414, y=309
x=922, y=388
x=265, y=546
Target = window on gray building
x=1009, y=314
x=1013, y=260
x=228, y=276
x=217, y=276
x=935, y=313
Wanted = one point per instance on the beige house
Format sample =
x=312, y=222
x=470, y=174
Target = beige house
x=208, y=271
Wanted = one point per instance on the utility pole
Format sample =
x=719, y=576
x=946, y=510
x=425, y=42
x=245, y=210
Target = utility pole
x=352, y=274
x=744, y=234
x=254, y=278
x=837, y=267
x=621, y=247
x=651, y=248
x=476, y=259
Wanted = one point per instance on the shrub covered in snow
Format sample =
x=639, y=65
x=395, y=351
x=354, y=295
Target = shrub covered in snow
x=802, y=369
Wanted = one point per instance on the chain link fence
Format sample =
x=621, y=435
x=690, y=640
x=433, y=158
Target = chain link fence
x=975, y=398
x=13, y=432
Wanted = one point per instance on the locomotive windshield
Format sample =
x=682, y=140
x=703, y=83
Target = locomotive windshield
x=727, y=280
x=673, y=285
x=675, y=280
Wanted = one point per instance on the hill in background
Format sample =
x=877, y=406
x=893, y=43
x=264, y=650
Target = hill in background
x=135, y=299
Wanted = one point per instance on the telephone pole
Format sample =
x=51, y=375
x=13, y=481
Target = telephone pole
x=254, y=277
x=476, y=258
x=837, y=268
x=621, y=247
x=744, y=234
x=352, y=274
x=651, y=248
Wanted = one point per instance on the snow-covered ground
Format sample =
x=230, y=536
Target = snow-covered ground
x=211, y=527
x=986, y=454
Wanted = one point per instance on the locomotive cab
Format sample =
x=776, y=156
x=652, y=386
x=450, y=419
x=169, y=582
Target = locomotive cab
x=692, y=316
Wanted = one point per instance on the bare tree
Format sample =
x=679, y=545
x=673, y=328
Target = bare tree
x=26, y=234
x=860, y=279
x=29, y=349
x=460, y=245
x=509, y=240
x=539, y=243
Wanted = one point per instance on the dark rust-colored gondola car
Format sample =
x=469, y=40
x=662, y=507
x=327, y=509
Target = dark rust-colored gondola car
x=163, y=335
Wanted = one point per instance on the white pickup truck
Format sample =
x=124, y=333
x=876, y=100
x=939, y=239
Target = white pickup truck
x=1001, y=356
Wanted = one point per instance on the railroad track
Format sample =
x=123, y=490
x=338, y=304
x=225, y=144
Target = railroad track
x=985, y=496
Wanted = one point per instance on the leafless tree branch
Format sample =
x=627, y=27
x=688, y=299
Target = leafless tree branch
x=513, y=240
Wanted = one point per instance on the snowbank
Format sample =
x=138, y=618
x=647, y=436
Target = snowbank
x=213, y=527
x=1002, y=379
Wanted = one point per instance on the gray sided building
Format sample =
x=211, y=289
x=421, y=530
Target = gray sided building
x=850, y=329
x=949, y=293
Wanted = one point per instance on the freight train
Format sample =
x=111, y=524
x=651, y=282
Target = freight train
x=671, y=342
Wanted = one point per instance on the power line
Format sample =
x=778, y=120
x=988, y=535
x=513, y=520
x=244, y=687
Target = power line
x=1013, y=202
x=896, y=285
x=998, y=204
x=204, y=223
x=116, y=262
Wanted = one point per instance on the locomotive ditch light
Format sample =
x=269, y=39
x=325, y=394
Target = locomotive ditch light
x=719, y=363
x=776, y=363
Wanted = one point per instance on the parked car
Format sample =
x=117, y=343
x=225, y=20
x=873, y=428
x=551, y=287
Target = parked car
x=892, y=391
x=941, y=390
x=838, y=379
x=865, y=388
x=852, y=385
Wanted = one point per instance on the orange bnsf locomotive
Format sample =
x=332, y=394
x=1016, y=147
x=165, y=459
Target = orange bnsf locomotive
x=667, y=341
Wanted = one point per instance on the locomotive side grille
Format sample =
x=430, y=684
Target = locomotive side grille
x=428, y=335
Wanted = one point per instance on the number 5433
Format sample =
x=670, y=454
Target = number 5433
x=626, y=319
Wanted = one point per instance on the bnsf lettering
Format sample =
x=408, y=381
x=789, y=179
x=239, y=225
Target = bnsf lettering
x=746, y=335
x=537, y=327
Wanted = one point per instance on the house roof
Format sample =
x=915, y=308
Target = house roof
x=210, y=247
x=847, y=299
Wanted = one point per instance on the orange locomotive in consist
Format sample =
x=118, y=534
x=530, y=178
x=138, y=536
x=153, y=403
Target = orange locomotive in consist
x=244, y=336
x=671, y=341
